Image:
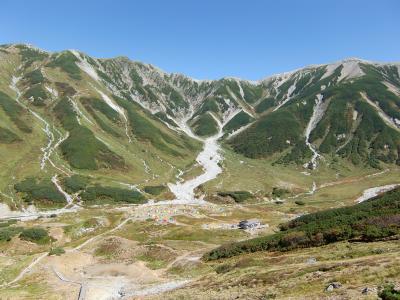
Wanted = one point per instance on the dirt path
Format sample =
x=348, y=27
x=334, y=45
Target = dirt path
x=81, y=294
x=26, y=270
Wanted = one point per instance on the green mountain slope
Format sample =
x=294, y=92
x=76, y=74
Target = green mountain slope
x=126, y=123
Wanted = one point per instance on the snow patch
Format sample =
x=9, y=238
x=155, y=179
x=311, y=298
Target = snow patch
x=387, y=119
x=351, y=69
x=67, y=196
x=85, y=66
x=318, y=113
x=289, y=95
x=375, y=191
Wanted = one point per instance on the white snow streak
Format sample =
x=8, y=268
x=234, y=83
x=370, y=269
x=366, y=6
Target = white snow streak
x=85, y=66
x=289, y=95
x=387, y=119
x=318, y=112
x=375, y=191
x=118, y=109
x=49, y=148
x=351, y=69
x=67, y=196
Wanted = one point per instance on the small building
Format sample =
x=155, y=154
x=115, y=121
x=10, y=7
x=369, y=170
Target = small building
x=248, y=224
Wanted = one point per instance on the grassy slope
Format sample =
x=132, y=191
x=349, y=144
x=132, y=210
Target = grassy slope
x=25, y=162
x=371, y=220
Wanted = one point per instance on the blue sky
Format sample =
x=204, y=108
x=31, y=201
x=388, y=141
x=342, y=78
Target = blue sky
x=210, y=39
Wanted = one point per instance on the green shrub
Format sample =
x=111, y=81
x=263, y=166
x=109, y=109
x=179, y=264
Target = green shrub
x=389, y=293
x=75, y=183
x=268, y=135
x=110, y=194
x=56, y=251
x=7, y=233
x=35, y=234
x=34, y=190
x=155, y=190
x=34, y=77
x=238, y=196
x=299, y=202
x=37, y=94
x=93, y=105
x=278, y=192
x=66, y=61
x=146, y=130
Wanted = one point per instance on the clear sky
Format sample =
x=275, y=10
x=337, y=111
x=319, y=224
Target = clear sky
x=209, y=39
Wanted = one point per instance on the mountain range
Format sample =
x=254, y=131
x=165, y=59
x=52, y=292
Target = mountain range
x=128, y=123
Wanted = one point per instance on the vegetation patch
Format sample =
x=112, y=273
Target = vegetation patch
x=8, y=137
x=268, y=135
x=91, y=155
x=66, y=61
x=75, y=183
x=8, y=232
x=101, y=194
x=238, y=196
x=30, y=55
x=36, y=94
x=42, y=191
x=36, y=235
x=205, y=125
x=145, y=130
x=389, y=293
x=93, y=105
x=34, y=77
x=278, y=192
x=14, y=111
x=155, y=189
x=372, y=220
x=56, y=251
x=265, y=104
x=238, y=121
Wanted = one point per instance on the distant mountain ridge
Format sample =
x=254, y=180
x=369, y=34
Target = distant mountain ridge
x=117, y=116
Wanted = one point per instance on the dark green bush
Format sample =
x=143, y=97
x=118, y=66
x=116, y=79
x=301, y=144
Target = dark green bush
x=66, y=61
x=278, y=192
x=35, y=234
x=110, y=194
x=75, y=183
x=7, y=233
x=34, y=190
x=238, y=196
x=37, y=94
x=389, y=293
x=56, y=251
x=155, y=189
x=34, y=77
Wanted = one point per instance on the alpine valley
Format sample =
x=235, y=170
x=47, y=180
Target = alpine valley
x=119, y=180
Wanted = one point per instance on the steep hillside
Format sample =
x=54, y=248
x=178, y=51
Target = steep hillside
x=129, y=125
